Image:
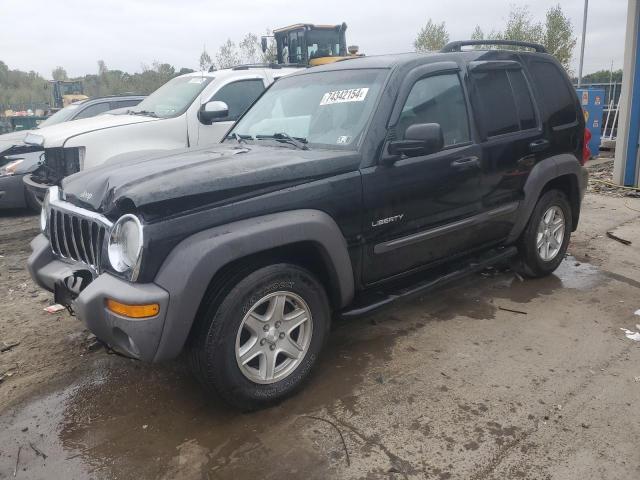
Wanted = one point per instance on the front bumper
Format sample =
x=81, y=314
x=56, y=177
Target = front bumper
x=12, y=191
x=137, y=338
x=38, y=189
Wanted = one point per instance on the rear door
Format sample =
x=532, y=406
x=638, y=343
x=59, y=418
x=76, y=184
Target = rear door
x=420, y=209
x=511, y=140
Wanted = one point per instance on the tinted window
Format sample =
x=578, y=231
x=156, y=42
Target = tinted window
x=93, y=110
x=124, y=104
x=522, y=96
x=437, y=99
x=496, y=105
x=558, y=100
x=239, y=96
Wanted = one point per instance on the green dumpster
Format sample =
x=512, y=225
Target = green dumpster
x=26, y=123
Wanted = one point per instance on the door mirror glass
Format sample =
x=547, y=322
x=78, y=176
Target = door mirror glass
x=215, y=111
x=419, y=139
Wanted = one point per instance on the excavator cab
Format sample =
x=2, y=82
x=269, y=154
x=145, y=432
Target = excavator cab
x=308, y=44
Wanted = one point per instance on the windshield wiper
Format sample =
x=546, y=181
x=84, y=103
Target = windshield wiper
x=143, y=112
x=298, y=142
x=240, y=138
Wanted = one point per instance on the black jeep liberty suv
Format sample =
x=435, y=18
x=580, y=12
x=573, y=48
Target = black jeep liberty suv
x=343, y=188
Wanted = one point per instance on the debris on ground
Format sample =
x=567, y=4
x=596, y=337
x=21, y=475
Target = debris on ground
x=54, y=308
x=601, y=182
x=631, y=335
x=6, y=346
x=637, y=312
x=618, y=239
x=504, y=309
x=15, y=470
x=39, y=452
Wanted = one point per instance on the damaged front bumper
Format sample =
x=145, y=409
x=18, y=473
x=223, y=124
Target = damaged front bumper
x=39, y=190
x=135, y=337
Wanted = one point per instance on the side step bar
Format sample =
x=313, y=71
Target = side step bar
x=374, y=301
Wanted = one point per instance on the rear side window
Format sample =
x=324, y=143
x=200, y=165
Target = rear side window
x=558, y=101
x=526, y=114
x=497, y=105
x=239, y=96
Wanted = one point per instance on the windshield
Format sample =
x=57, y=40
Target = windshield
x=323, y=43
x=326, y=109
x=60, y=116
x=173, y=98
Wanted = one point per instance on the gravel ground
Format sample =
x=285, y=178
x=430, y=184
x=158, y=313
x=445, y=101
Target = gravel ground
x=491, y=378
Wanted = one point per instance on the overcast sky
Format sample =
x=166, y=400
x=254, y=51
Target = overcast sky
x=41, y=34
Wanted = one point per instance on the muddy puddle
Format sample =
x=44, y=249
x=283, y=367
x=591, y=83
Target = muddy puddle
x=121, y=418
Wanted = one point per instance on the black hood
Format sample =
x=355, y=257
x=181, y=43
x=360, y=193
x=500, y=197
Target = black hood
x=171, y=183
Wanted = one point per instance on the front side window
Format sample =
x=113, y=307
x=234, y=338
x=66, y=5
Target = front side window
x=437, y=99
x=173, y=98
x=93, y=110
x=323, y=43
x=326, y=109
x=239, y=96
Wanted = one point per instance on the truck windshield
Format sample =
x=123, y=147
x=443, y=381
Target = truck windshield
x=60, y=116
x=324, y=109
x=173, y=98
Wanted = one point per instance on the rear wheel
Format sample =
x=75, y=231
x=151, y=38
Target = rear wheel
x=258, y=344
x=544, y=242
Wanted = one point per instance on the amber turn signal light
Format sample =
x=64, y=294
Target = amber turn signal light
x=133, y=311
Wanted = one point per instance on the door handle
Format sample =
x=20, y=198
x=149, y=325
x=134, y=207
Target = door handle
x=539, y=145
x=466, y=162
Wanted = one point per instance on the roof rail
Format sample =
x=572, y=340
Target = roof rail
x=457, y=45
x=275, y=66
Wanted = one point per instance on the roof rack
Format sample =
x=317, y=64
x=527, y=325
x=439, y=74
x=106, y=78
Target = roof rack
x=457, y=46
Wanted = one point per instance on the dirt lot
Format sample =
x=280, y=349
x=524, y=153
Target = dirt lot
x=453, y=385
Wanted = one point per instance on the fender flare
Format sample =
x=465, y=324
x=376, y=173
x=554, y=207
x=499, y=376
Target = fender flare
x=541, y=174
x=188, y=269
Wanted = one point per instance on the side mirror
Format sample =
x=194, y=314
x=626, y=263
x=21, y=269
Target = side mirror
x=211, y=112
x=419, y=139
x=264, y=44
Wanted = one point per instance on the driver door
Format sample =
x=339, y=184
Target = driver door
x=419, y=209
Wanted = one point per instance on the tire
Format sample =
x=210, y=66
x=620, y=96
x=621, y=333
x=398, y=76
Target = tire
x=31, y=201
x=227, y=333
x=537, y=262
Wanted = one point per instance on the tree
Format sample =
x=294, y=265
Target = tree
x=205, y=60
x=59, y=73
x=432, y=37
x=558, y=37
x=521, y=26
x=477, y=34
x=228, y=55
x=249, y=48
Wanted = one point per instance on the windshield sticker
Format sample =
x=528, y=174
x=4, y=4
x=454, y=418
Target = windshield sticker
x=196, y=80
x=343, y=140
x=342, y=96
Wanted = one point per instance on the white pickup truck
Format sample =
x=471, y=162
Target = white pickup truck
x=191, y=110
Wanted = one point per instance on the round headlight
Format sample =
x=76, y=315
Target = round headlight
x=44, y=213
x=125, y=243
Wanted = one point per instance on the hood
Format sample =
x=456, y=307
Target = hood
x=13, y=138
x=161, y=185
x=57, y=135
x=12, y=144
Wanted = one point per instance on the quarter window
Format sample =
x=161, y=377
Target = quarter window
x=239, y=96
x=437, y=99
x=558, y=100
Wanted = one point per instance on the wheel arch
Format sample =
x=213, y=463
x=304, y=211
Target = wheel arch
x=562, y=172
x=308, y=238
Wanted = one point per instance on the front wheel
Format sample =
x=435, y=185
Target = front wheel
x=258, y=344
x=544, y=242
